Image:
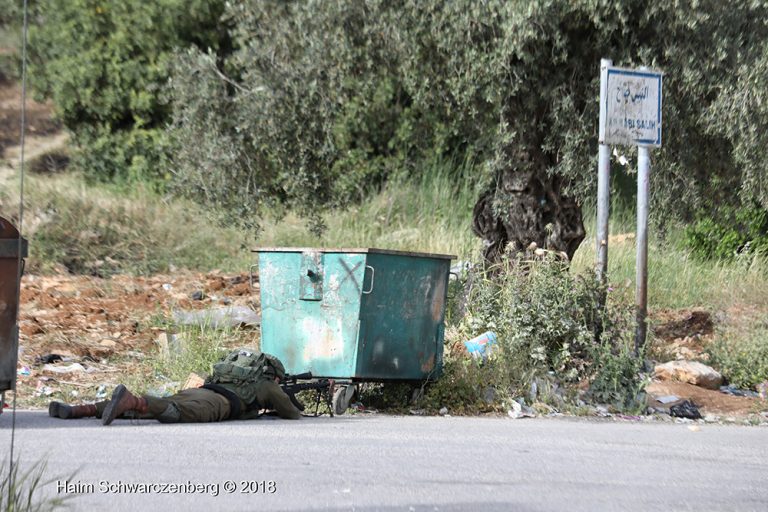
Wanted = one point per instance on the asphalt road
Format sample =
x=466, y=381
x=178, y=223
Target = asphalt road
x=374, y=462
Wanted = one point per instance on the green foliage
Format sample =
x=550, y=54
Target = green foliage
x=10, y=39
x=617, y=370
x=740, y=113
x=430, y=213
x=547, y=321
x=311, y=120
x=728, y=233
x=20, y=491
x=104, y=64
x=10, y=12
x=468, y=387
x=312, y=104
x=323, y=100
x=194, y=350
x=7, y=68
x=742, y=359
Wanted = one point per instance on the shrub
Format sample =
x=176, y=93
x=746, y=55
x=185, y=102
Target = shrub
x=729, y=232
x=104, y=64
x=551, y=331
x=742, y=360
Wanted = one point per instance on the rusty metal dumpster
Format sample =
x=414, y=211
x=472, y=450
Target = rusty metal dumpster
x=10, y=273
x=354, y=314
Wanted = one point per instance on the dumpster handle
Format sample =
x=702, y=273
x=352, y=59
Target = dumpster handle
x=373, y=274
x=250, y=274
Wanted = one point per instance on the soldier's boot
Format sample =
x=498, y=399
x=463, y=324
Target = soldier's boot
x=123, y=401
x=69, y=412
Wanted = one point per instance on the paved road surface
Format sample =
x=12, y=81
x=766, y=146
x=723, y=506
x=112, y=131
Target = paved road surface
x=372, y=462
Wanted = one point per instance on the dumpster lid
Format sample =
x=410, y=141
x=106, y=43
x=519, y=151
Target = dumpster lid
x=370, y=250
x=10, y=239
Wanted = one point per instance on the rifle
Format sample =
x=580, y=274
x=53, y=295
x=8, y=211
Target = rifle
x=324, y=390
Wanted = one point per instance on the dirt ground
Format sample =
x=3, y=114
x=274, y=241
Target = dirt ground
x=708, y=401
x=106, y=329
x=683, y=334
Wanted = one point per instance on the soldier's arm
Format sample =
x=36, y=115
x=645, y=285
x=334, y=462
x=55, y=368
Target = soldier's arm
x=273, y=396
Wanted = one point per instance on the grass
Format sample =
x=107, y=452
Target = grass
x=20, y=491
x=431, y=213
x=742, y=354
x=195, y=349
x=102, y=230
x=676, y=278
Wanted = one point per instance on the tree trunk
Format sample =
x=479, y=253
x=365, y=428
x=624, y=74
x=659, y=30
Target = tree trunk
x=527, y=206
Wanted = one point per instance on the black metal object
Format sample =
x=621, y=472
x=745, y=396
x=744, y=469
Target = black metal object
x=323, y=388
x=11, y=268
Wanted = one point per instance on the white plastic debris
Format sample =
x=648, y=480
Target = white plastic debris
x=69, y=368
x=219, y=317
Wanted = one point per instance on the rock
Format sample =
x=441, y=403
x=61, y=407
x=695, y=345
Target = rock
x=443, y=411
x=690, y=372
x=711, y=418
x=66, y=290
x=104, y=348
x=762, y=390
x=197, y=295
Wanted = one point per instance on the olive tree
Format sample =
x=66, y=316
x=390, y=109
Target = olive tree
x=323, y=99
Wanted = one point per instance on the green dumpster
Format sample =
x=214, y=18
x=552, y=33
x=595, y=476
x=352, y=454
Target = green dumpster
x=357, y=314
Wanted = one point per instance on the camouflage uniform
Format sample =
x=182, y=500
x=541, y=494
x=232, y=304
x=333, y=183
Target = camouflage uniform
x=205, y=405
x=192, y=406
x=199, y=405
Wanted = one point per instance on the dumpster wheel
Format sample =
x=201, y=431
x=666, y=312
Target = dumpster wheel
x=342, y=397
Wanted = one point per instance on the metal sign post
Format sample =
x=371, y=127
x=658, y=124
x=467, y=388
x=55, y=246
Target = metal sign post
x=630, y=115
x=641, y=241
x=603, y=187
